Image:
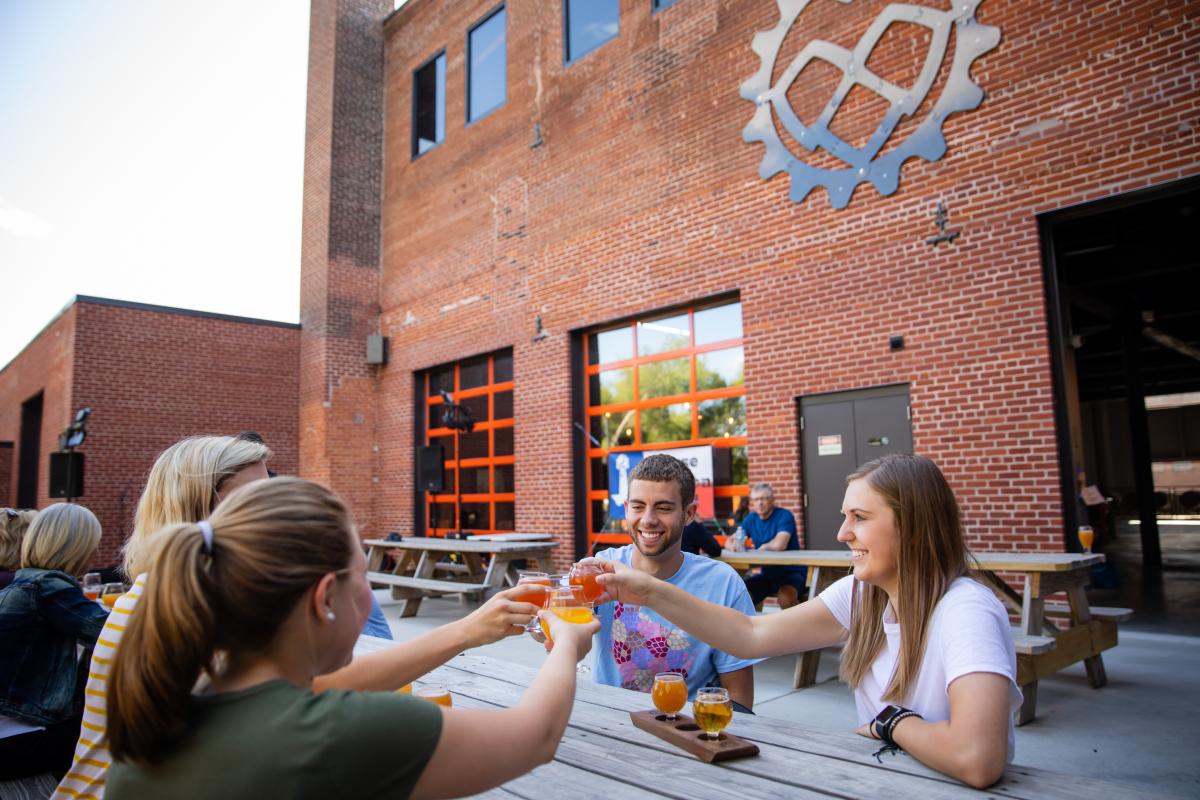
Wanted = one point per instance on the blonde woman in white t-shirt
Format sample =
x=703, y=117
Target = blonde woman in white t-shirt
x=929, y=651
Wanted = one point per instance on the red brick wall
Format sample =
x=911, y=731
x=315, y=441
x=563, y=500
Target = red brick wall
x=45, y=365
x=340, y=249
x=7, y=465
x=154, y=377
x=151, y=377
x=644, y=196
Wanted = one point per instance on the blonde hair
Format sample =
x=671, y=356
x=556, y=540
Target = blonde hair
x=272, y=541
x=13, y=524
x=63, y=536
x=930, y=555
x=184, y=486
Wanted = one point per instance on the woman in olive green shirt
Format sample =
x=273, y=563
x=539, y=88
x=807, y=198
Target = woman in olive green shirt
x=263, y=597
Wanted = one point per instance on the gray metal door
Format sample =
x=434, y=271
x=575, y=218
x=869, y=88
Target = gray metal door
x=839, y=432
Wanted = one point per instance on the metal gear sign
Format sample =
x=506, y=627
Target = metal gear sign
x=864, y=164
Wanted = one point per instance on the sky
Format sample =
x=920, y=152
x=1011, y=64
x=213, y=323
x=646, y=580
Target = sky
x=153, y=151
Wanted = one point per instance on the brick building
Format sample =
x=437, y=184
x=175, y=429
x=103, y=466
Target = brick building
x=558, y=220
x=151, y=375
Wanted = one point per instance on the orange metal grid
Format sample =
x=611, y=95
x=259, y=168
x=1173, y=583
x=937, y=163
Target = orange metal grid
x=453, y=466
x=693, y=397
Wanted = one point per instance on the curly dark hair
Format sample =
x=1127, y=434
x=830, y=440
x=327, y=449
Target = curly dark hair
x=661, y=468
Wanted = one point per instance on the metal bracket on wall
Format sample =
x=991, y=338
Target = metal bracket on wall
x=941, y=219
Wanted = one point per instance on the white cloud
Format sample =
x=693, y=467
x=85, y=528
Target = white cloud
x=22, y=224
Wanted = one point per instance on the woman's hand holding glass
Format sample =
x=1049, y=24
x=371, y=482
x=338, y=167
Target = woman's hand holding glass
x=505, y=614
x=567, y=622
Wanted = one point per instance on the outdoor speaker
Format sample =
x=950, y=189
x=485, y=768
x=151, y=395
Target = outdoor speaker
x=377, y=349
x=66, y=475
x=430, y=473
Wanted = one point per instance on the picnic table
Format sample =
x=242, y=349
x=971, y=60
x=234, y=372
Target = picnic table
x=419, y=570
x=1042, y=647
x=602, y=754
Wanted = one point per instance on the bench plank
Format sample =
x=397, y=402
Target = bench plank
x=1110, y=614
x=427, y=584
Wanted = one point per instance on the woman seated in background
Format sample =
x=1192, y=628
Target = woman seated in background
x=43, y=617
x=187, y=482
x=13, y=524
x=929, y=652
x=267, y=594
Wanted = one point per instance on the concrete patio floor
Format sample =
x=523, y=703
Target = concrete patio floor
x=1135, y=731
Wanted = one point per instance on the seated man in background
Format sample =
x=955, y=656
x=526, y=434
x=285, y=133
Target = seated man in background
x=635, y=643
x=773, y=528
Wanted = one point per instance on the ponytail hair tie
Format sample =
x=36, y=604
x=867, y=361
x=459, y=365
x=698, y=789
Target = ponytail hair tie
x=206, y=530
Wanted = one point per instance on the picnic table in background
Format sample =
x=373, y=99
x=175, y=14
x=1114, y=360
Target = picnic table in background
x=1043, y=648
x=603, y=754
x=419, y=570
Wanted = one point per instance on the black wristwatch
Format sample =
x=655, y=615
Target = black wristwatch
x=885, y=722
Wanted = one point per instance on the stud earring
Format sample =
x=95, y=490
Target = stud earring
x=329, y=615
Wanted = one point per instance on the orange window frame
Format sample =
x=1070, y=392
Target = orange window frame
x=453, y=466
x=693, y=397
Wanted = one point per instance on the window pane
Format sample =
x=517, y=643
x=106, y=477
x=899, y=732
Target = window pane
x=474, y=445
x=502, y=478
x=503, y=441
x=613, y=428
x=718, y=324
x=661, y=335
x=477, y=406
x=474, y=480
x=435, y=416
x=725, y=417
x=723, y=510
x=741, y=466
x=599, y=513
x=600, y=473
x=488, y=66
x=662, y=378
x=609, y=346
x=719, y=369
x=506, y=518
x=671, y=423
x=476, y=516
x=502, y=405
x=429, y=105
x=611, y=386
x=440, y=379
x=502, y=367
x=448, y=478
x=473, y=374
x=590, y=23
x=446, y=443
x=441, y=515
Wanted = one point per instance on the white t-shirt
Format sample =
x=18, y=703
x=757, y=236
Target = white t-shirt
x=969, y=632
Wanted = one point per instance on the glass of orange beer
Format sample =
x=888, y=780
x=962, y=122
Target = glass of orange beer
x=1087, y=538
x=584, y=576
x=91, y=586
x=111, y=592
x=713, y=710
x=434, y=693
x=568, y=603
x=669, y=693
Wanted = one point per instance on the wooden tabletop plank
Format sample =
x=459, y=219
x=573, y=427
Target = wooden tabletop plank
x=1016, y=562
x=436, y=544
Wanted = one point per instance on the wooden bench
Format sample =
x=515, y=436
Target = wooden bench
x=1029, y=645
x=428, y=585
x=1106, y=613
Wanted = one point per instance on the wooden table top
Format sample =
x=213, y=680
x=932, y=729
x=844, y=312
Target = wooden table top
x=439, y=544
x=602, y=754
x=1014, y=562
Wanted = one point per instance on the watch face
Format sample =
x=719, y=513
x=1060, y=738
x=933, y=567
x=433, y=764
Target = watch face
x=887, y=713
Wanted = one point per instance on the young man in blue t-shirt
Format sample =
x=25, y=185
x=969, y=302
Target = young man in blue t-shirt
x=635, y=643
x=772, y=528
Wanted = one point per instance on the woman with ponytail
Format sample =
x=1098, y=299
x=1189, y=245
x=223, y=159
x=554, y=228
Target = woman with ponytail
x=253, y=604
x=929, y=652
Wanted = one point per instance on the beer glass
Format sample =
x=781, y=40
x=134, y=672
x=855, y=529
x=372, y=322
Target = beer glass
x=536, y=596
x=434, y=693
x=669, y=693
x=91, y=586
x=1086, y=538
x=713, y=710
x=568, y=603
x=584, y=576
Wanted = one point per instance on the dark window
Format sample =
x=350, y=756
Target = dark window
x=589, y=24
x=429, y=105
x=488, y=66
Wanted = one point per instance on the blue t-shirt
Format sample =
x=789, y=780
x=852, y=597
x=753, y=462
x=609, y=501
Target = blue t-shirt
x=762, y=531
x=635, y=643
